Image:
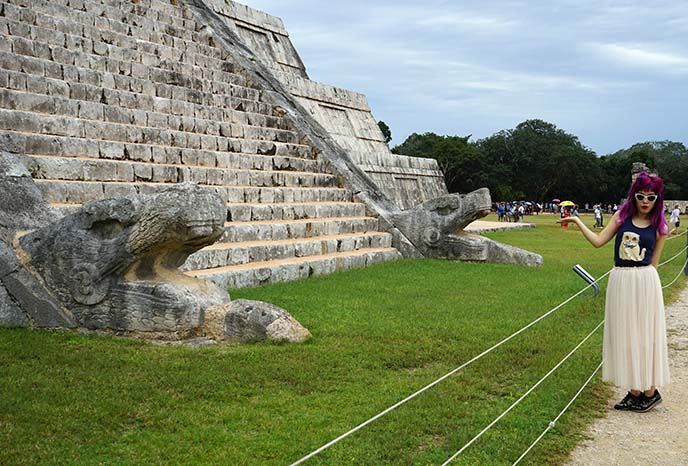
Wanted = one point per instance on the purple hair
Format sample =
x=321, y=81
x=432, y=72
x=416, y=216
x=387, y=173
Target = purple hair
x=646, y=182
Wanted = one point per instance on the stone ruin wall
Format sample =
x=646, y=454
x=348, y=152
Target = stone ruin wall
x=346, y=115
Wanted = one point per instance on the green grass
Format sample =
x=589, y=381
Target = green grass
x=379, y=335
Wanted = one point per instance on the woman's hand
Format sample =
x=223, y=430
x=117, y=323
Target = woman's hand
x=596, y=239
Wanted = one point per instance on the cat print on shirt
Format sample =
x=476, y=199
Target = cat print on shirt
x=629, y=249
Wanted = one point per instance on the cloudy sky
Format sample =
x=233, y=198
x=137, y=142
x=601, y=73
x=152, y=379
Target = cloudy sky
x=612, y=73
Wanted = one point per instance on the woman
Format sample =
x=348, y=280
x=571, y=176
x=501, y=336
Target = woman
x=635, y=344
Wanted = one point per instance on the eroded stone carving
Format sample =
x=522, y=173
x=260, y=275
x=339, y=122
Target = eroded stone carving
x=113, y=264
x=436, y=229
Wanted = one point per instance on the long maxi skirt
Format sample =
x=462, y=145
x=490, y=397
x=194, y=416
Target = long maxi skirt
x=635, y=342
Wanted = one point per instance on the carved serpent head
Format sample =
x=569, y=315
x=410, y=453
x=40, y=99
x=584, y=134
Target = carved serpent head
x=140, y=237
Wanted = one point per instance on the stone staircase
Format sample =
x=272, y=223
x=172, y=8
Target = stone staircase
x=104, y=98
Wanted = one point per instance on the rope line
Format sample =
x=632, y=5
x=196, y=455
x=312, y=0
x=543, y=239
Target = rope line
x=587, y=382
x=678, y=275
x=551, y=424
x=448, y=374
x=673, y=257
x=505, y=412
x=561, y=413
x=467, y=363
x=677, y=236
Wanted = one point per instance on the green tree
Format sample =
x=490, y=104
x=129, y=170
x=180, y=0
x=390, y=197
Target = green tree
x=386, y=132
x=539, y=161
x=672, y=164
x=668, y=158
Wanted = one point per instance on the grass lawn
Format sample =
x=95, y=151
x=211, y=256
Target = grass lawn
x=380, y=334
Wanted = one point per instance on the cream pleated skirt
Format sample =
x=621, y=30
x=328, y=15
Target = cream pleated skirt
x=635, y=342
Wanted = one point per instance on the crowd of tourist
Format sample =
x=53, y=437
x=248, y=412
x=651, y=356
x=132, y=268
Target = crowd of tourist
x=514, y=211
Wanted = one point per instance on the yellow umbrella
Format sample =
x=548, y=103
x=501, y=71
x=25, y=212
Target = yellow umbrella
x=567, y=204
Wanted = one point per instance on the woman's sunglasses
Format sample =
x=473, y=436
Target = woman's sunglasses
x=650, y=197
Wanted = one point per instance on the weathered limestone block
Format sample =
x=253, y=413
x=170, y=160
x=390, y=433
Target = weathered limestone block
x=28, y=295
x=436, y=229
x=10, y=314
x=245, y=320
x=471, y=247
x=22, y=208
x=21, y=202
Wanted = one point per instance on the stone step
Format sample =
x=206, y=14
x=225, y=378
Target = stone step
x=279, y=230
x=119, y=31
x=82, y=159
x=67, y=166
x=78, y=192
x=142, y=74
x=230, y=194
x=107, y=133
x=40, y=95
x=246, y=212
x=284, y=270
x=272, y=230
x=94, y=171
x=229, y=254
x=276, y=212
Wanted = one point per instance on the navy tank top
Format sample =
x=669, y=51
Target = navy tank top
x=634, y=246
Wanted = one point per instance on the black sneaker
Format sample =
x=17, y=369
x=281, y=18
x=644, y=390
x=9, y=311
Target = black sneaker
x=645, y=403
x=627, y=402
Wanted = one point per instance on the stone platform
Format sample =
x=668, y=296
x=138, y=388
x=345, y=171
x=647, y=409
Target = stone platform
x=481, y=226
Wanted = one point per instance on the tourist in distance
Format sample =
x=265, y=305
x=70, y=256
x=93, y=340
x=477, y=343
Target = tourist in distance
x=675, y=219
x=598, y=217
x=635, y=342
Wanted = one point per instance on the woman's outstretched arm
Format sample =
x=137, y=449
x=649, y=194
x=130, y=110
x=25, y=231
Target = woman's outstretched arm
x=658, y=250
x=596, y=239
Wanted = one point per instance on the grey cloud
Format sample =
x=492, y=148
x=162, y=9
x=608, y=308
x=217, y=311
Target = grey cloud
x=611, y=72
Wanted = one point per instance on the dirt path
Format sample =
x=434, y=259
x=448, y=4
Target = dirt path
x=656, y=438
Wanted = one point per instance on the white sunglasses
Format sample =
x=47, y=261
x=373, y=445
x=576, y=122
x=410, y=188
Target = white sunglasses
x=650, y=197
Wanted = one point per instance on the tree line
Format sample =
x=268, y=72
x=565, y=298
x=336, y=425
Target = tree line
x=538, y=161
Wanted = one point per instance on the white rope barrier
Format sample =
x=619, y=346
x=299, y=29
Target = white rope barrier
x=581, y=389
x=587, y=382
x=448, y=374
x=513, y=405
x=467, y=363
x=561, y=413
x=673, y=257
x=552, y=423
x=678, y=275
x=677, y=236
